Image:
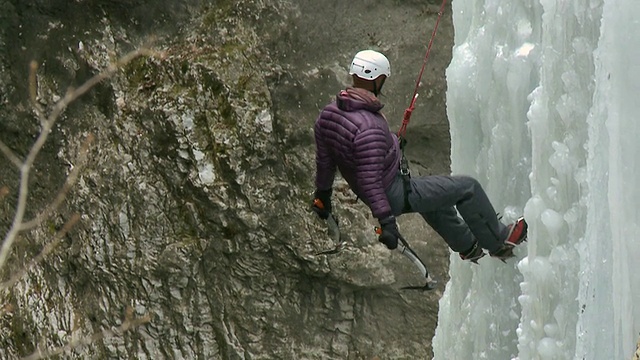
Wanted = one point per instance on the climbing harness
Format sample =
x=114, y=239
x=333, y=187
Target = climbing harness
x=404, y=163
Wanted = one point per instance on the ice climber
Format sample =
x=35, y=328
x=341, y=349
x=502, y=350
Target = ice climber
x=353, y=136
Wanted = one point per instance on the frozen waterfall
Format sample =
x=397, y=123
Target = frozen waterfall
x=543, y=99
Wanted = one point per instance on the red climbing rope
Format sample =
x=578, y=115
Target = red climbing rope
x=409, y=110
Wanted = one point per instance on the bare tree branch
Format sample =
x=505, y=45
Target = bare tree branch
x=62, y=194
x=43, y=253
x=73, y=94
x=128, y=324
x=47, y=125
x=10, y=155
x=25, y=165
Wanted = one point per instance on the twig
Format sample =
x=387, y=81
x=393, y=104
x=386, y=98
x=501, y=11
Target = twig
x=128, y=324
x=25, y=165
x=10, y=155
x=43, y=253
x=62, y=194
x=47, y=125
x=73, y=94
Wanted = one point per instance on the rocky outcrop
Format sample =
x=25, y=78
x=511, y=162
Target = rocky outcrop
x=194, y=201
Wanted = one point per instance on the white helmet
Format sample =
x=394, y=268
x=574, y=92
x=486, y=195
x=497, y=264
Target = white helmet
x=369, y=64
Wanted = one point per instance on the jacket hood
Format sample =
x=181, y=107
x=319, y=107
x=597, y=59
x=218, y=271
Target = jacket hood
x=354, y=99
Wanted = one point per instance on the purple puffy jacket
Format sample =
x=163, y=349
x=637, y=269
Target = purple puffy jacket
x=352, y=135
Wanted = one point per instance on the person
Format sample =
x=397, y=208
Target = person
x=352, y=136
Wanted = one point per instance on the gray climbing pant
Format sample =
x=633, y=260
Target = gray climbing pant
x=436, y=199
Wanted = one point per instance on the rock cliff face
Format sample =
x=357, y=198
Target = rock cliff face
x=194, y=200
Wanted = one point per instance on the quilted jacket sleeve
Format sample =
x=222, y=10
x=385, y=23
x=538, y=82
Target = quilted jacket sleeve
x=325, y=167
x=370, y=149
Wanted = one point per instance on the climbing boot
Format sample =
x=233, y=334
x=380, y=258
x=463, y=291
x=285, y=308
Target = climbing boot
x=473, y=254
x=516, y=235
x=517, y=232
x=504, y=253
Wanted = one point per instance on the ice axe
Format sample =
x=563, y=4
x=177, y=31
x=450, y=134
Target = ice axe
x=406, y=250
x=332, y=229
x=403, y=247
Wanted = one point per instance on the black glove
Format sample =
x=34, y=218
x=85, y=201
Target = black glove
x=389, y=233
x=322, y=203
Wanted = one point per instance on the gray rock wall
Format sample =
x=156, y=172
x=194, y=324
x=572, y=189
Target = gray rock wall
x=194, y=201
